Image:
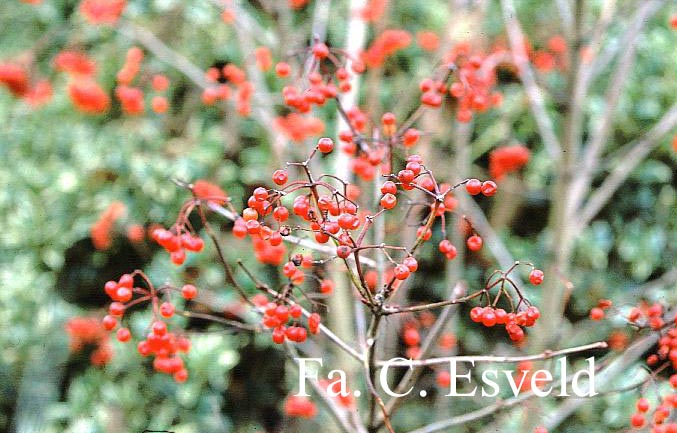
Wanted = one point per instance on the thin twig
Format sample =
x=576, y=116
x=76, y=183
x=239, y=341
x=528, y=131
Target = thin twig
x=533, y=91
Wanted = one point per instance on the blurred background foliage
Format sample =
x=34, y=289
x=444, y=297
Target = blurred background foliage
x=60, y=169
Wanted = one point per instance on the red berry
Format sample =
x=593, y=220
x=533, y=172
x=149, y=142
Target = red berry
x=178, y=257
x=159, y=328
x=489, y=318
x=126, y=281
x=445, y=246
x=410, y=137
x=596, y=314
x=181, y=375
x=109, y=322
x=389, y=187
x=326, y=286
x=536, y=277
x=388, y=119
x=260, y=193
x=443, y=378
x=188, y=291
x=320, y=50
x=343, y=251
x=411, y=337
x=116, y=309
x=473, y=186
x=489, y=188
x=406, y=176
x=388, y=201
x=123, y=335
x=280, y=177
x=295, y=311
x=474, y=243
x=637, y=420
x=166, y=310
x=643, y=405
x=282, y=69
x=411, y=263
x=401, y=272
x=325, y=145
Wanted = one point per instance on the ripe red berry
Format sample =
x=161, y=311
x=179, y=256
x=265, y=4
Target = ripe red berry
x=489, y=188
x=489, y=318
x=637, y=420
x=474, y=243
x=325, y=145
x=540, y=429
x=406, y=176
x=166, y=310
x=295, y=311
x=388, y=201
x=401, y=272
x=443, y=378
x=410, y=137
x=178, y=257
x=326, y=286
x=109, y=322
x=536, y=277
x=188, y=291
x=159, y=328
x=320, y=50
x=445, y=246
x=116, y=309
x=282, y=69
x=411, y=263
x=279, y=335
x=643, y=405
x=596, y=314
x=260, y=193
x=343, y=251
x=411, y=337
x=388, y=119
x=473, y=186
x=388, y=187
x=280, y=177
x=126, y=281
x=123, y=335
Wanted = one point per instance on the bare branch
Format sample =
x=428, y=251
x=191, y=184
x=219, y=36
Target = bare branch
x=628, y=162
x=590, y=158
x=548, y=354
x=533, y=91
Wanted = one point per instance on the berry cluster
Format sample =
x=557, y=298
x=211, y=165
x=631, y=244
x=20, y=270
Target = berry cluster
x=163, y=345
x=661, y=414
x=276, y=316
x=515, y=320
x=177, y=243
x=84, y=331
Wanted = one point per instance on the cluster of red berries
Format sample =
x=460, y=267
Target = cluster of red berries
x=160, y=343
x=385, y=45
x=177, y=244
x=276, y=316
x=661, y=413
x=598, y=312
x=84, y=331
x=165, y=346
x=218, y=90
x=507, y=159
x=490, y=316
